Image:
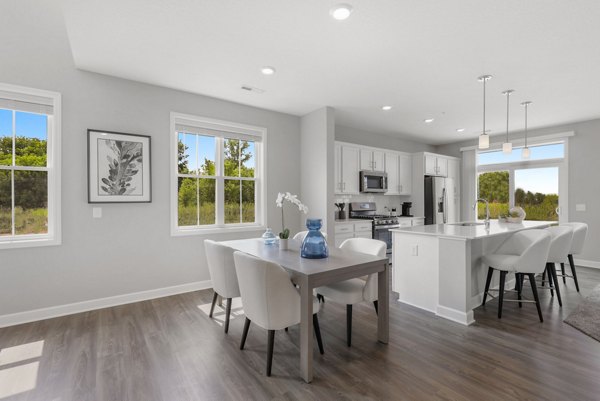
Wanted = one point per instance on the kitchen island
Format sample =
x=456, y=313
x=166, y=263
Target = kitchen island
x=438, y=267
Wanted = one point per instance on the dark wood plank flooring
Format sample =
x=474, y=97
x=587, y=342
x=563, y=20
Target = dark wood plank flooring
x=168, y=349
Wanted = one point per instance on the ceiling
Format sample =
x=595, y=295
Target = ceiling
x=421, y=57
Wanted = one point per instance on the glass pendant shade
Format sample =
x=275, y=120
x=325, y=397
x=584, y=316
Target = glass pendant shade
x=525, y=153
x=507, y=148
x=484, y=141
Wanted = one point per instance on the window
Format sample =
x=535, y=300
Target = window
x=218, y=180
x=535, y=184
x=29, y=167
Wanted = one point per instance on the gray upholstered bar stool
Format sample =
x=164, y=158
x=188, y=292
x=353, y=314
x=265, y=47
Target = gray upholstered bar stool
x=223, y=276
x=560, y=246
x=579, y=235
x=523, y=253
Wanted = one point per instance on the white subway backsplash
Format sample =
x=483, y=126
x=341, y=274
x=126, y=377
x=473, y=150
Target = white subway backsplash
x=381, y=200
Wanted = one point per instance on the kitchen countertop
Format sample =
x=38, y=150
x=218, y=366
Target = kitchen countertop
x=351, y=220
x=472, y=232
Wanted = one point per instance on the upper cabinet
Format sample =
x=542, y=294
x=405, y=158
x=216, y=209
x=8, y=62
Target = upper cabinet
x=398, y=167
x=436, y=165
x=347, y=169
x=371, y=159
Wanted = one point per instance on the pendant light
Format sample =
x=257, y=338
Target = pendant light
x=484, y=138
x=525, y=153
x=507, y=146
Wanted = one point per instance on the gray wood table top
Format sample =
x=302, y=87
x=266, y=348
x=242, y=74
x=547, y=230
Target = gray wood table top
x=312, y=273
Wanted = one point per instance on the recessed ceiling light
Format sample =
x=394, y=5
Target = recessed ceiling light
x=428, y=120
x=386, y=108
x=460, y=130
x=267, y=70
x=341, y=12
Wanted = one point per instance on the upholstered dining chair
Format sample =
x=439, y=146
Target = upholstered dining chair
x=562, y=237
x=579, y=235
x=523, y=253
x=270, y=300
x=221, y=268
x=356, y=290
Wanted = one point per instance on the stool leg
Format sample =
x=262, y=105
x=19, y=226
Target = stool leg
x=520, y=279
x=573, y=271
x=227, y=314
x=349, y=325
x=550, y=283
x=562, y=269
x=544, y=278
x=488, y=280
x=535, y=295
x=212, y=306
x=555, y=280
x=501, y=293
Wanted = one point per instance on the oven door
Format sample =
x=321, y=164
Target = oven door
x=383, y=233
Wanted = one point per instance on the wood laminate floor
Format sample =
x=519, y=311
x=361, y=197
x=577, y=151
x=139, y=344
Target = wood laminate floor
x=168, y=349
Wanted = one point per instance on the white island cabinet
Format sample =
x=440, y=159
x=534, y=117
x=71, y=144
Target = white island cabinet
x=438, y=267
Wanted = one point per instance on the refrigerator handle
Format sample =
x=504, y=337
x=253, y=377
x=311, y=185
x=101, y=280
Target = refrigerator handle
x=444, y=205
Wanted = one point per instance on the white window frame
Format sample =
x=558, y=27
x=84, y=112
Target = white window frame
x=54, y=235
x=561, y=163
x=210, y=124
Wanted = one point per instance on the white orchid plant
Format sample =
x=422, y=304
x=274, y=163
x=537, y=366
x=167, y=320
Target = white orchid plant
x=281, y=197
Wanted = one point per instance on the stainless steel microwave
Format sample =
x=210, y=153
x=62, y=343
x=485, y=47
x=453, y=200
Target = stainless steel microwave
x=373, y=181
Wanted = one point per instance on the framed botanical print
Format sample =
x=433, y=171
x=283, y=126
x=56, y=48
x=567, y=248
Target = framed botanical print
x=118, y=167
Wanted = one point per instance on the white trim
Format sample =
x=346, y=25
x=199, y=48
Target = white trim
x=531, y=140
x=100, y=303
x=53, y=167
x=184, y=232
x=587, y=263
x=455, y=315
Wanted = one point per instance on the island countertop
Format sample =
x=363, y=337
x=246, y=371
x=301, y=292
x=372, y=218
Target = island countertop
x=472, y=232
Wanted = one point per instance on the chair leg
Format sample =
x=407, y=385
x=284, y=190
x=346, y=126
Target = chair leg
x=488, y=280
x=286, y=329
x=573, y=271
x=320, y=298
x=376, y=305
x=228, y=313
x=550, y=283
x=270, y=351
x=519, y=277
x=318, y=333
x=535, y=295
x=212, y=306
x=501, y=293
x=544, y=278
x=555, y=280
x=245, y=333
x=562, y=269
x=349, y=325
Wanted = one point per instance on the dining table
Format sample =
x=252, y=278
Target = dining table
x=309, y=274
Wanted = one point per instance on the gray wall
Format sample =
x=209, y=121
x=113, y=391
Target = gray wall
x=365, y=138
x=130, y=249
x=584, y=165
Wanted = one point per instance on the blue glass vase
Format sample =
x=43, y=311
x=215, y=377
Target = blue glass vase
x=314, y=245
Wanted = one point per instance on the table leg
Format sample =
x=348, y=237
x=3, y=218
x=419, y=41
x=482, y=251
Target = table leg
x=383, y=295
x=306, y=338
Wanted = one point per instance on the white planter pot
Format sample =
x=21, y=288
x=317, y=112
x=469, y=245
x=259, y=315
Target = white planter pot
x=283, y=244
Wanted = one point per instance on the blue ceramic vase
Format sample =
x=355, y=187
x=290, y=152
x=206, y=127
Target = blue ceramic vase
x=314, y=245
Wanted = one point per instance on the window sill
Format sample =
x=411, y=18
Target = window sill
x=182, y=232
x=29, y=243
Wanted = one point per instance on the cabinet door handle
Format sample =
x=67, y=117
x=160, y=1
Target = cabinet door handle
x=400, y=188
x=375, y=165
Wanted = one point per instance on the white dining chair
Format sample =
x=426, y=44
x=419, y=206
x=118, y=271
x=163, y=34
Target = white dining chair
x=221, y=268
x=562, y=237
x=270, y=300
x=356, y=290
x=579, y=236
x=523, y=253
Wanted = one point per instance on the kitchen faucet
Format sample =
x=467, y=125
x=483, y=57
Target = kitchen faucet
x=487, y=211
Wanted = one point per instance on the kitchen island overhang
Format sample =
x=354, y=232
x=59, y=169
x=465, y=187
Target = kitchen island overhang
x=439, y=267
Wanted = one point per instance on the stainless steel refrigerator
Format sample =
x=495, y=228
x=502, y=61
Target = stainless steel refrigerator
x=440, y=200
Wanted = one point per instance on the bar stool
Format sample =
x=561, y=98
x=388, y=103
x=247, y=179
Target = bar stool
x=560, y=246
x=579, y=235
x=525, y=253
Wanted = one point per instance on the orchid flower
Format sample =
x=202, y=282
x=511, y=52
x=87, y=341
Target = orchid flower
x=285, y=232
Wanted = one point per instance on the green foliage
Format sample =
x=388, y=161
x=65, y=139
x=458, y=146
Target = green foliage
x=122, y=166
x=27, y=221
x=493, y=186
x=187, y=216
x=285, y=234
x=28, y=151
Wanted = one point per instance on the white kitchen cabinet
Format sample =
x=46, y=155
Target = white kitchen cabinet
x=371, y=159
x=436, y=165
x=392, y=170
x=346, y=169
x=405, y=174
x=339, y=238
x=345, y=230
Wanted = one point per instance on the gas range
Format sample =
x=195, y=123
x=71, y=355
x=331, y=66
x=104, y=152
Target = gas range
x=368, y=210
x=378, y=219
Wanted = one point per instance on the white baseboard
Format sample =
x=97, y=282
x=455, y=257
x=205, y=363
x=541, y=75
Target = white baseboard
x=84, y=306
x=457, y=316
x=587, y=263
